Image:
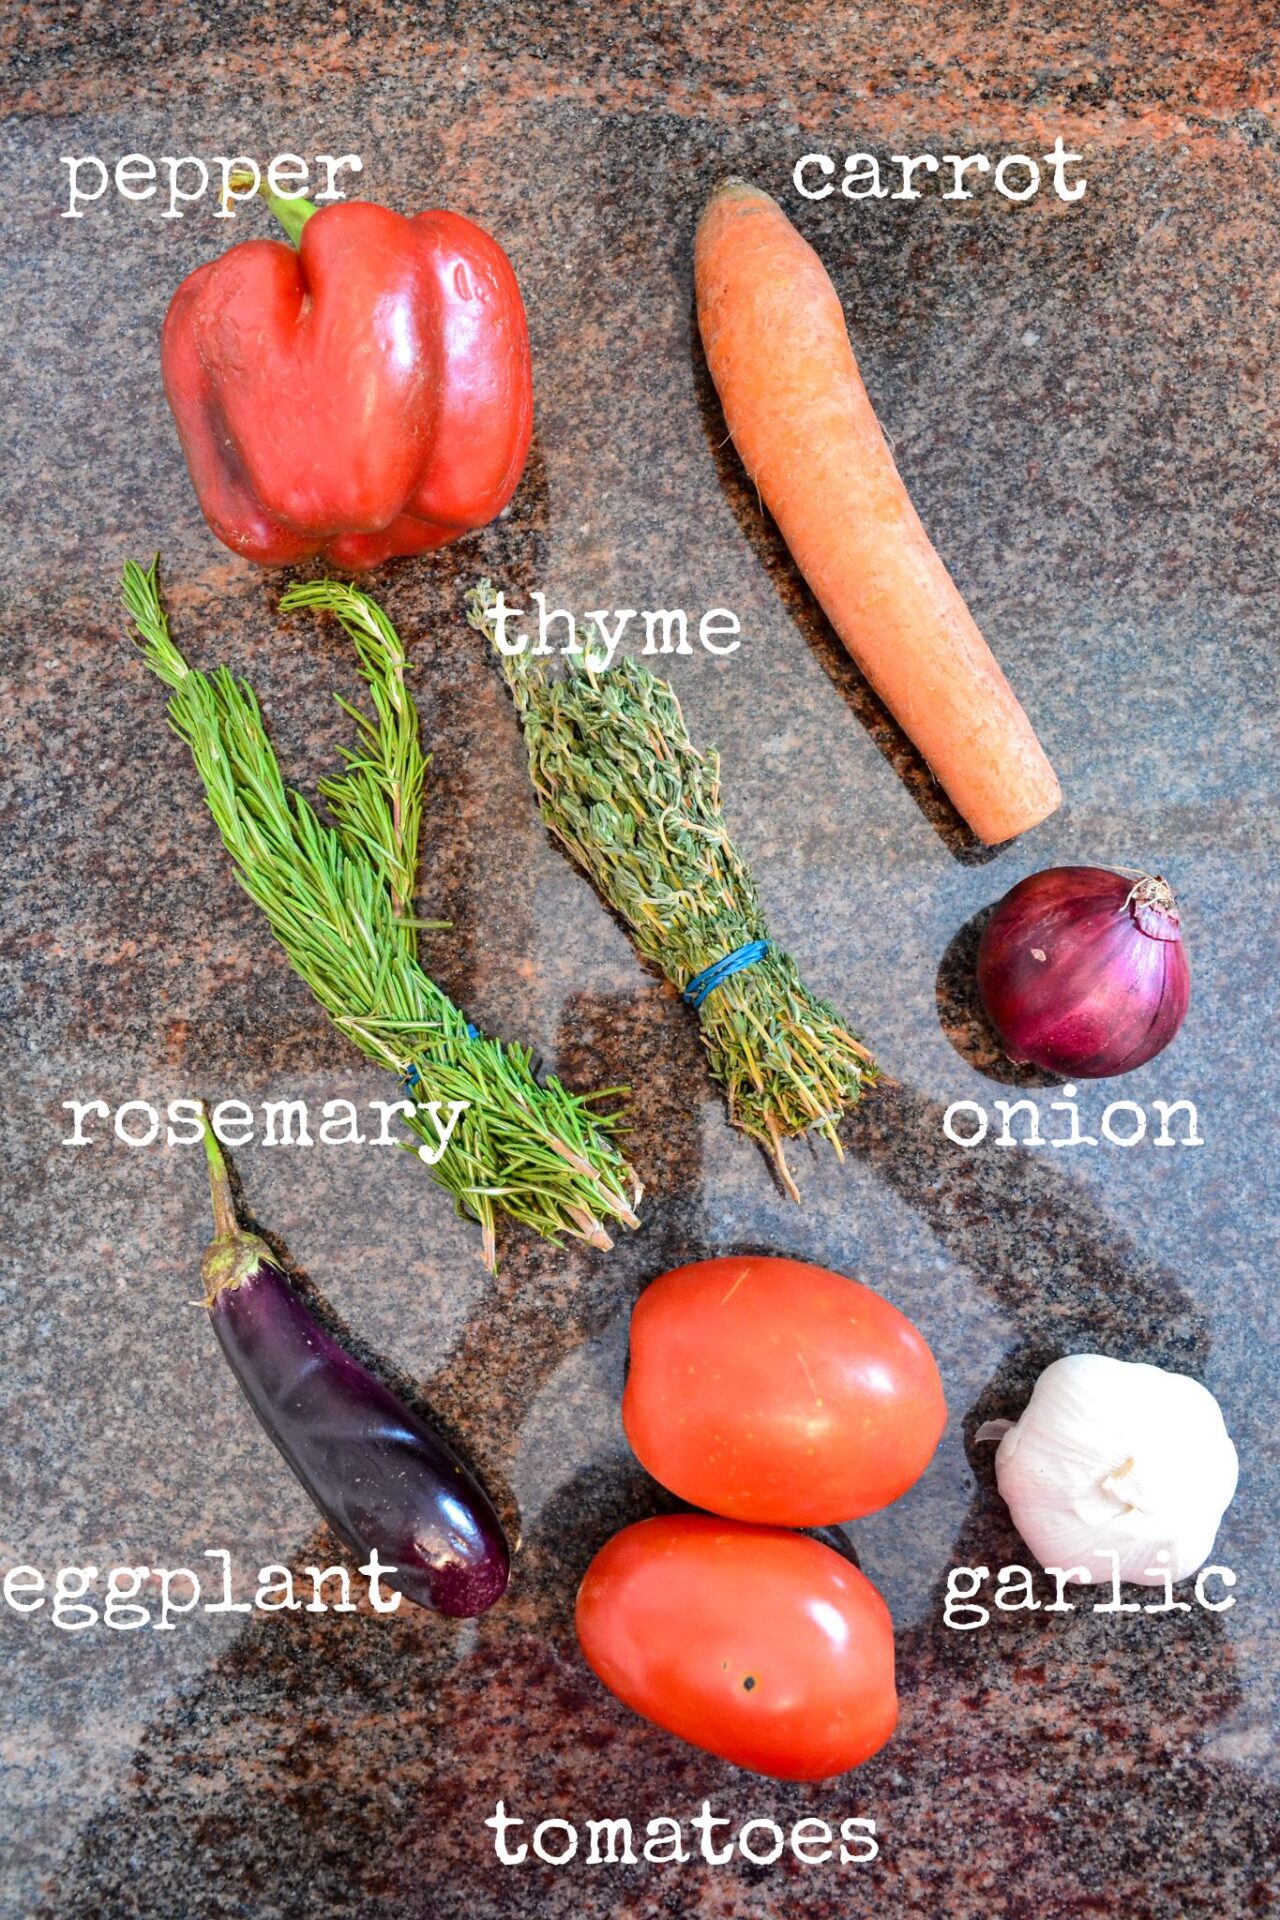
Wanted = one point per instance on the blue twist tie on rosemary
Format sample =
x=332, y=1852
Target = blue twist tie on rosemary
x=721, y=970
x=413, y=1078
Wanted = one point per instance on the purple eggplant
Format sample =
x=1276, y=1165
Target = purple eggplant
x=379, y=1475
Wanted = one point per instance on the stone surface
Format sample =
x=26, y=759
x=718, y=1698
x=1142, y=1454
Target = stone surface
x=1085, y=402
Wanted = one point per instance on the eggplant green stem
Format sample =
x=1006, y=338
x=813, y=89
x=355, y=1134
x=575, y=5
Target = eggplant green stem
x=225, y=1223
x=292, y=214
x=232, y=1255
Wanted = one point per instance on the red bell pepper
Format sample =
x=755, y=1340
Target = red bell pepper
x=360, y=393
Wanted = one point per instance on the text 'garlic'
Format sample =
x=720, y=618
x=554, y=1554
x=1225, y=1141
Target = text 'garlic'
x=1113, y=1464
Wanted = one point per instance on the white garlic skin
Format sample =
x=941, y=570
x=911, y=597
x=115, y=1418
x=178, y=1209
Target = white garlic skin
x=1114, y=1456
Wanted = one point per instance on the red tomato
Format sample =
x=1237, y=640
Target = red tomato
x=773, y=1391
x=762, y=1646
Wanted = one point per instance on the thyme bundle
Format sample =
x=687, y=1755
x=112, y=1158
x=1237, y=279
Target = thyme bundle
x=622, y=787
x=339, y=899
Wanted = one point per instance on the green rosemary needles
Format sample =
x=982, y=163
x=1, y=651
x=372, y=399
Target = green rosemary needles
x=622, y=787
x=339, y=899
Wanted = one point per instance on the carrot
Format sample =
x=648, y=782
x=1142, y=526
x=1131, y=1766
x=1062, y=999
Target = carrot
x=779, y=353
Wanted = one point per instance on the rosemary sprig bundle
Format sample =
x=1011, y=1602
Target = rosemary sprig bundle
x=339, y=899
x=622, y=787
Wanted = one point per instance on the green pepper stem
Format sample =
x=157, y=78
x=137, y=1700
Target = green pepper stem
x=292, y=214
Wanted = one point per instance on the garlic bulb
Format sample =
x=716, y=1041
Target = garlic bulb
x=1117, y=1457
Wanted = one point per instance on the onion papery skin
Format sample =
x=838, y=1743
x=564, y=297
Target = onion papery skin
x=1111, y=985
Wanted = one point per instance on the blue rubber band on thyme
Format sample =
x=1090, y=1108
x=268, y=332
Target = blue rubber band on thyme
x=721, y=970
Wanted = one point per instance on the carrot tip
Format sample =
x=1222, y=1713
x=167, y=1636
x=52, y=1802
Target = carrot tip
x=734, y=183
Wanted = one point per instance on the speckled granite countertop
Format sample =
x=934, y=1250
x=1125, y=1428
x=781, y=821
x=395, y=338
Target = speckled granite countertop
x=1085, y=402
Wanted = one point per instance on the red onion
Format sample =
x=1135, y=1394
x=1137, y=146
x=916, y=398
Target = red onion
x=1082, y=970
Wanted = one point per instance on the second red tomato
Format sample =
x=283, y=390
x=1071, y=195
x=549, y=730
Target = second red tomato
x=762, y=1646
